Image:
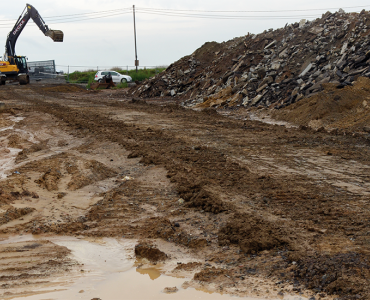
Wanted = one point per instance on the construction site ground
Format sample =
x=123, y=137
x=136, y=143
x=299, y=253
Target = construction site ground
x=230, y=200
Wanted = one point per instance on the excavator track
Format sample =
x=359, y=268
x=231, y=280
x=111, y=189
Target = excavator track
x=23, y=79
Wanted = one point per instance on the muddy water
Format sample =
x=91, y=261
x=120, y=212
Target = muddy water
x=109, y=271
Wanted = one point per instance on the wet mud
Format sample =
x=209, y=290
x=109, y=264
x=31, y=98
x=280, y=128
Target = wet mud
x=238, y=206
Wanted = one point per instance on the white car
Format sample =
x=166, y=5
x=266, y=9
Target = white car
x=117, y=77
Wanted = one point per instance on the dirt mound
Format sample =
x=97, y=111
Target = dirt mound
x=188, y=267
x=163, y=228
x=34, y=148
x=150, y=252
x=212, y=274
x=50, y=180
x=253, y=234
x=14, y=213
x=342, y=274
x=346, y=108
x=15, y=141
x=276, y=69
x=6, y=198
x=208, y=201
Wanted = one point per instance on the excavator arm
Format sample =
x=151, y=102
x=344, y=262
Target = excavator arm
x=29, y=13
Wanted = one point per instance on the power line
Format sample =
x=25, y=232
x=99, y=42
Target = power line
x=164, y=13
x=98, y=12
x=74, y=20
x=204, y=14
x=101, y=15
x=256, y=11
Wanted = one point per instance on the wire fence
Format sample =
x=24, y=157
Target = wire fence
x=48, y=70
x=68, y=69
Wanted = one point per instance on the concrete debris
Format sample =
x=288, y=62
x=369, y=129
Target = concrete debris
x=272, y=69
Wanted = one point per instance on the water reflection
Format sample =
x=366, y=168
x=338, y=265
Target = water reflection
x=152, y=272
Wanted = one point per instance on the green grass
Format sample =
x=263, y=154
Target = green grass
x=121, y=85
x=89, y=75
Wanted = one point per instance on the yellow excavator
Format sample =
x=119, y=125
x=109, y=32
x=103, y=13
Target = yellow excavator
x=12, y=66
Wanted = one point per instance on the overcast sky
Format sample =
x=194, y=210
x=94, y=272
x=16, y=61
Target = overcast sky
x=161, y=40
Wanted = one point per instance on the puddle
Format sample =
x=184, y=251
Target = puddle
x=110, y=273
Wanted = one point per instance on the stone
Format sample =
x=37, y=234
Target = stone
x=305, y=71
x=284, y=53
x=344, y=48
x=245, y=101
x=302, y=23
x=261, y=73
x=316, y=74
x=262, y=88
x=339, y=74
x=341, y=64
x=295, y=91
x=173, y=93
x=170, y=290
x=275, y=66
x=271, y=44
x=299, y=97
x=267, y=80
x=256, y=99
x=316, y=30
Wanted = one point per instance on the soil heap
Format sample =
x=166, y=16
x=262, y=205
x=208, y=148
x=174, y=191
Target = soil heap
x=272, y=69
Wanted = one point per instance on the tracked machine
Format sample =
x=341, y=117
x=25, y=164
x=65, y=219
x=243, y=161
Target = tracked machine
x=12, y=66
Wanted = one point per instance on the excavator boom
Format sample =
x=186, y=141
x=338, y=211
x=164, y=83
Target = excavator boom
x=29, y=13
x=15, y=67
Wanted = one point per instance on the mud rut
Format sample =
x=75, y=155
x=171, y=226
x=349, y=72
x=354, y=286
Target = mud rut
x=250, y=199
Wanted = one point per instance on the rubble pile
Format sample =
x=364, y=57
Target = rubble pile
x=273, y=69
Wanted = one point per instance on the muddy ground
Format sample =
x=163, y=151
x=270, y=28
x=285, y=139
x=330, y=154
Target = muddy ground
x=241, y=206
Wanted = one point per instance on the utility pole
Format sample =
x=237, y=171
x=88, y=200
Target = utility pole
x=136, y=61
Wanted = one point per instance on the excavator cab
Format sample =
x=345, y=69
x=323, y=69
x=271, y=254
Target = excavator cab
x=21, y=63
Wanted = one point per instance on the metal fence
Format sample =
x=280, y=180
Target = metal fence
x=42, y=69
x=47, y=69
x=70, y=69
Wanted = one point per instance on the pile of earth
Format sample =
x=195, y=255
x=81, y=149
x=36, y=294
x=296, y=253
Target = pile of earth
x=273, y=69
x=336, y=110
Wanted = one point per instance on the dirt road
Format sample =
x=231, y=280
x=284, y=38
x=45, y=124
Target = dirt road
x=254, y=209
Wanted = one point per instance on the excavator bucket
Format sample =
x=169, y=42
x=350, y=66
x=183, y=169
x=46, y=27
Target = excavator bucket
x=56, y=35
